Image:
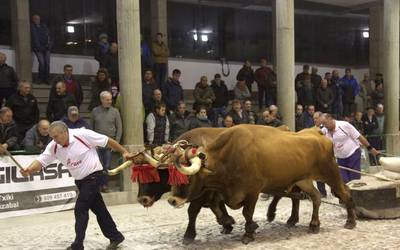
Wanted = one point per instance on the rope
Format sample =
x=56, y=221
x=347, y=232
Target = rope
x=371, y=175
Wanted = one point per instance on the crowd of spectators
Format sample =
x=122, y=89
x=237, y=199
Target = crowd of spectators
x=166, y=113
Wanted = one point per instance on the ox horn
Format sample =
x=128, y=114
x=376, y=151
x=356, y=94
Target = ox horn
x=192, y=169
x=151, y=160
x=118, y=169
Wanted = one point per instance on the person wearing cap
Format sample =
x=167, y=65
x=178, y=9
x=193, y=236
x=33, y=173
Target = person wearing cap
x=76, y=150
x=102, y=49
x=73, y=120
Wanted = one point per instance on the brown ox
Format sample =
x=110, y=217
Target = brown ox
x=248, y=159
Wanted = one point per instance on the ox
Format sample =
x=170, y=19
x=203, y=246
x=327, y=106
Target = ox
x=248, y=159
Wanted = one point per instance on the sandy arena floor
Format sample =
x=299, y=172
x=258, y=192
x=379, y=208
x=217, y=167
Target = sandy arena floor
x=162, y=227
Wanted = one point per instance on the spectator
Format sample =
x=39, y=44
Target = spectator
x=246, y=73
x=111, y=64
x=378, y=78
x=156, y=99
x=158, y=126
x=380, y=116
x=58, y=104
x=41, y=46
x=173, y=92
x=8, y=131
x=361, y=100
x=299, y=81
x=299, y=118
x=337, y=104
x=305, y=93
x=269, y=120
x=221, y=98
x=102, y=49
x=100, y=84
x=8, y=80
x=106, y=120
x=203, y=94
x=308, y=117
x=145, y=55
x=237, y=113
x=25, y=109
x=228, y=121
x=241, y=91
x=274, y=110
x=358, y=123
x=160, y=53
x=325, y=97
x=37, y=137
x=148, y=86
x=378, y=95
x=179, y=121
x=346, y=145
x=370, y=124
x=250, y=113
x=73, y=87
x=350, y=89
x=315, y=79
x=73, y=120
x=266, y=83
x=201, y=119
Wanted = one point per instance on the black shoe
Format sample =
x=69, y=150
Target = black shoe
x=114, y=243
x=75, y=248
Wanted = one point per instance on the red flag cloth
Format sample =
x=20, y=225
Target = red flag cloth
x=145, y=173
x=176, y=177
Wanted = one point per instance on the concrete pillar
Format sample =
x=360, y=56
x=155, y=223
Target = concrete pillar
x=391, y=74
x=128, y=27
x=159, y=18
x=21, y=38
x=285, y=60
x=375, y=40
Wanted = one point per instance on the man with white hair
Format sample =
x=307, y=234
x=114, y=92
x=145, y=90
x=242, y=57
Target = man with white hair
x=25, y=108
x=37, y=138
x=76, y=150
x=8, y=79
x=106, y=120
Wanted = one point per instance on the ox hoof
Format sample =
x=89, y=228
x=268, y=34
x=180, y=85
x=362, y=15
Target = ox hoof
x=247, y=238
x=313, y=229
x=292, y=221
x=187, y=241
x=227, y=229
x=250, y=227
x=350, y=224
x=270, y=217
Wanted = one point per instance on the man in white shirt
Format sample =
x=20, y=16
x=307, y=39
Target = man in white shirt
x=76, y=150
x=346, y=145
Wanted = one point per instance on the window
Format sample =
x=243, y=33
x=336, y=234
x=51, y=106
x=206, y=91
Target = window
x=5, y=22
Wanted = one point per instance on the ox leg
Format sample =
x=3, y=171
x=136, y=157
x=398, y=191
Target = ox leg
x=308, y=187
x=217, y=206
x=294, y=216
x=193, y=211
x=272, y=208
x=248, y=211
x=343, y=192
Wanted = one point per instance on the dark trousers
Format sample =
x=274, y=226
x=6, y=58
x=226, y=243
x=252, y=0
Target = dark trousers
x=90, y=198
x=5, y=93
x=44, y=65
x=262, y=95
x=352, y=162
x=105, y=156
x=321, y=188
x=160, y=69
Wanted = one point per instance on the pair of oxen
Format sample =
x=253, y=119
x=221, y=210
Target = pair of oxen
x=233, y=166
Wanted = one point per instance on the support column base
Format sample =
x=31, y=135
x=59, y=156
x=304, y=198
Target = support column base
x=393, y=144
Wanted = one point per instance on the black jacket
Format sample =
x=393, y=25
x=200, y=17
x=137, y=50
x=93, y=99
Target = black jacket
x=369, y=125
x=221, y=94
x=25, y=109
x=8, y=134
x=179, y=124
x=58, y=106
x=8, y=77
x=246, y=73
x=111, y=64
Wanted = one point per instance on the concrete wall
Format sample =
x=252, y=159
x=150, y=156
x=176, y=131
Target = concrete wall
x=192, y=69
